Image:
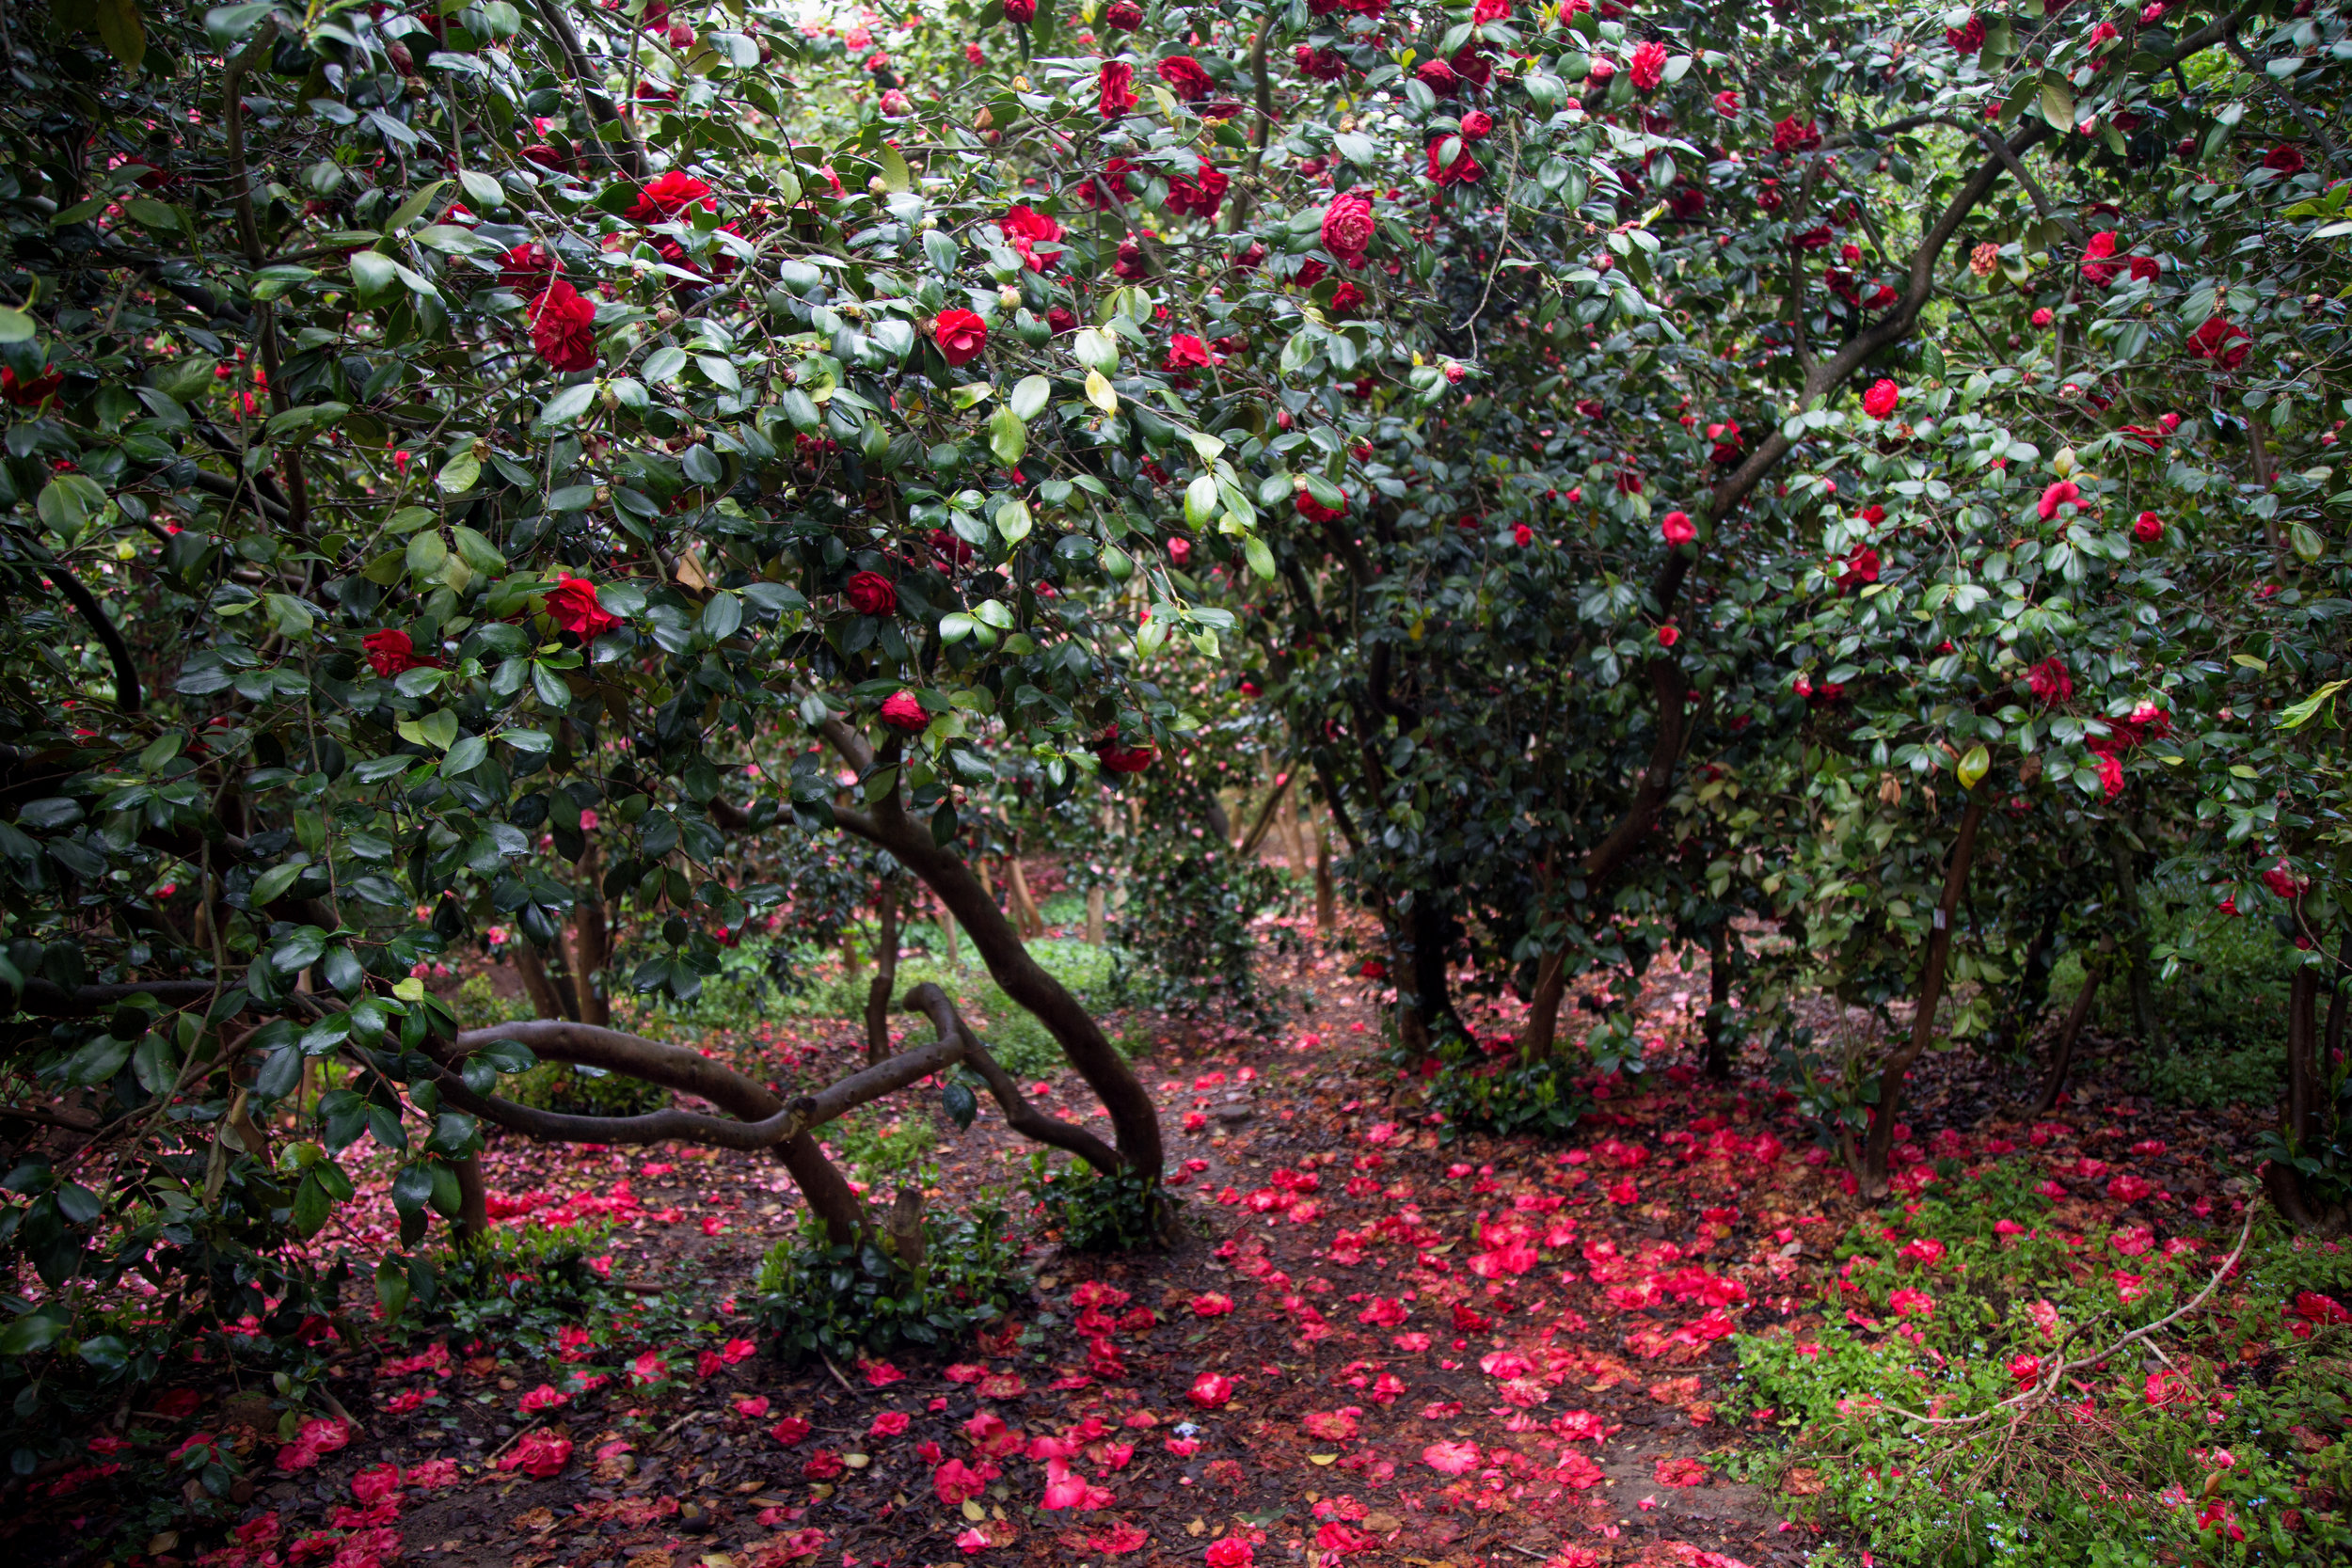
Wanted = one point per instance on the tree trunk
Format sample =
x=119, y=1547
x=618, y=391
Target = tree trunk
x=472, y=1224
x=2139, y=968
x=1433, y=999
x=2062, y=1057
x=1032, y=918
x=1133, y=1117
x=2031, y=996
x=1098, y=906
x=1326, y=893
x=1720, y=945
x=536, y=984
x=885, y=972
x=1930, y=995
x=2300, y=1116
x=1543, y=1007
x=947, y=930
x=592, y=943
x=2340, y=987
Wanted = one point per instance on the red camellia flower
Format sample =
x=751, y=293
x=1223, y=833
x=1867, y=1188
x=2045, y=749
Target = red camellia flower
x=2283, y=160
x=1439, y=77
x=1123, y=16
x=961, y=334
x=1880, y=399
x=1116, y=758
x=1668, y=636
x=390, y=652
x=1185, y=352
x=1599, y=69
x=1967, y=39
x=903, y=710
x=540, y=1455
x=2221, y=341
x=1115, y=87
x=2097, y=269
x=2148, y=528
x=1230, y=1552
x=1319, y=64
x=669, y=195
x=1676, y=529
x=32, y=392
x=1463, y=170
x=1210, y=1391
x=2024, y=1371
x=1199, y=194
x=1184, y=74
x=1347, y=228
x=872, y=594
x=1792, y=135
x=1477, y=126
x=572, y=605
x=1027, y=228
x=1315, y=512
x=563, y=328
x=526, y=268
x=2065, y=492
x=1021, y=13
x=2050, y=681
x=1346, y=300
x=1861, y=568
x=1648, y=67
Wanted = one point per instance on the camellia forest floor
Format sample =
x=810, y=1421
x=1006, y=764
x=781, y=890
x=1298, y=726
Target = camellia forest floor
x=1369, y=1340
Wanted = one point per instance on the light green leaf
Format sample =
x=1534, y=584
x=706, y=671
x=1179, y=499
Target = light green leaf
x=1013, y=520
x=1007, y=436
x=458, y=474
x=1029, y=396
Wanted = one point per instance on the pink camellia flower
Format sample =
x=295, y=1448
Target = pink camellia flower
x=890, y=1423
x=1212, y=1304
x=903, y=710
x=1880, y=399
x=1232, y=1552
x=1451, y=1458
x=2169, y=1387
x=1676, y=529
x=2064, y=493
x=1211, y=1390
x=1912, y=1304
x=545, y=1396
x=374, y=1485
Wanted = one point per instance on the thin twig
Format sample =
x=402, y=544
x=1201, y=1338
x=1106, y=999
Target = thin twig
x=837, y=1374
x=2040, y=1392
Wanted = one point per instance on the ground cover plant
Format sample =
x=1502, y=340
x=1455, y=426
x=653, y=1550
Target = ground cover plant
x=1075, y=779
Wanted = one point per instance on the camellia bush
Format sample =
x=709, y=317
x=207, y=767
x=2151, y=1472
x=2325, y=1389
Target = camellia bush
x=1861, y=471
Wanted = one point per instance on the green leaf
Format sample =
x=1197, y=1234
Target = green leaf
x=466, y=755
x=1008, y=434
x=721, y=617
x=36, y=1331
x=227, y=25
x=567, y=405
x=68, y=502
x=121, y=31
x=271, y=885
x=15, y=326
x=482, y=190
x=1013, y=520
x=414, y=208
x=2058, y=103
x=458, y=474
x=1029, y=396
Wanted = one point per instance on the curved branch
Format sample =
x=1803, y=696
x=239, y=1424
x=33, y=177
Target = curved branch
x=127, y=696
x=1021, y=1116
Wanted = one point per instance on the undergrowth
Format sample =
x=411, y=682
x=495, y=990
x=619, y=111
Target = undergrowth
x=2220, y=1438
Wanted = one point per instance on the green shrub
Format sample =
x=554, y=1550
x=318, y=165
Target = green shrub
x=1091, y=1212
x=843, y=1300
x=1192, y=906
x=2101, y=1475
x=1498, y=1093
